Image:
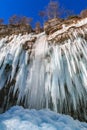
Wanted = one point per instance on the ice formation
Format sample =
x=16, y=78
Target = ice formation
x=46, y=75
x=18, y=118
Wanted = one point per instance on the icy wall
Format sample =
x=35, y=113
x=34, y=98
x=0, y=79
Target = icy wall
x=40, y=74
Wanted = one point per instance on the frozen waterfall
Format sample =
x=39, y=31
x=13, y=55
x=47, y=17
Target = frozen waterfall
x=45, y=75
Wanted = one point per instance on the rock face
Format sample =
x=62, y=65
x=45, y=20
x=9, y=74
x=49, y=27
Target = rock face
x=7, y=30
x=56, y=24
x=52, y=26
x=60, y=30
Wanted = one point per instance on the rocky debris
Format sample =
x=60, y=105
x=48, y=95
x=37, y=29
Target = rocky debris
x=28, y=44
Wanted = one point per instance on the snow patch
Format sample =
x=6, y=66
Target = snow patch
x=18, y=118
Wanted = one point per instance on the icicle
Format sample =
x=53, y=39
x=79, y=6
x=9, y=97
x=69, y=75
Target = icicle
x=52, y=76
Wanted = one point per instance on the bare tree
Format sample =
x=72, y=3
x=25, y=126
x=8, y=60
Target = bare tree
x=69, y=13
x=83, y=13
x=1, y=21
x=14, y=19
x=25, y=20
x=38, y=27
x=38, y=24
x=42, y=14
x=52, y=10
x=20, y=20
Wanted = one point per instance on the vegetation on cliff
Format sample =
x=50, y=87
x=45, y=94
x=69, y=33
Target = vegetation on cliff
x=52, y=13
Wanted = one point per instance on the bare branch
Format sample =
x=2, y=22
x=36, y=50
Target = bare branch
x=53, y=10
x=1, y=21
x=20, y=20
x=83, y=13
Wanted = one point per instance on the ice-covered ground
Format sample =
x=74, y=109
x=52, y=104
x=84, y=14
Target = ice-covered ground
x=18, y=118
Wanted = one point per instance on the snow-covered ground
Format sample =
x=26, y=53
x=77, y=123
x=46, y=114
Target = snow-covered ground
x=18, y=118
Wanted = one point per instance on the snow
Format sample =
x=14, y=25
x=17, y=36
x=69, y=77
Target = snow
x=18, y=118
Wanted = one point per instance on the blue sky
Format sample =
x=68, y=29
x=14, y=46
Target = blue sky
x=31, y=8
